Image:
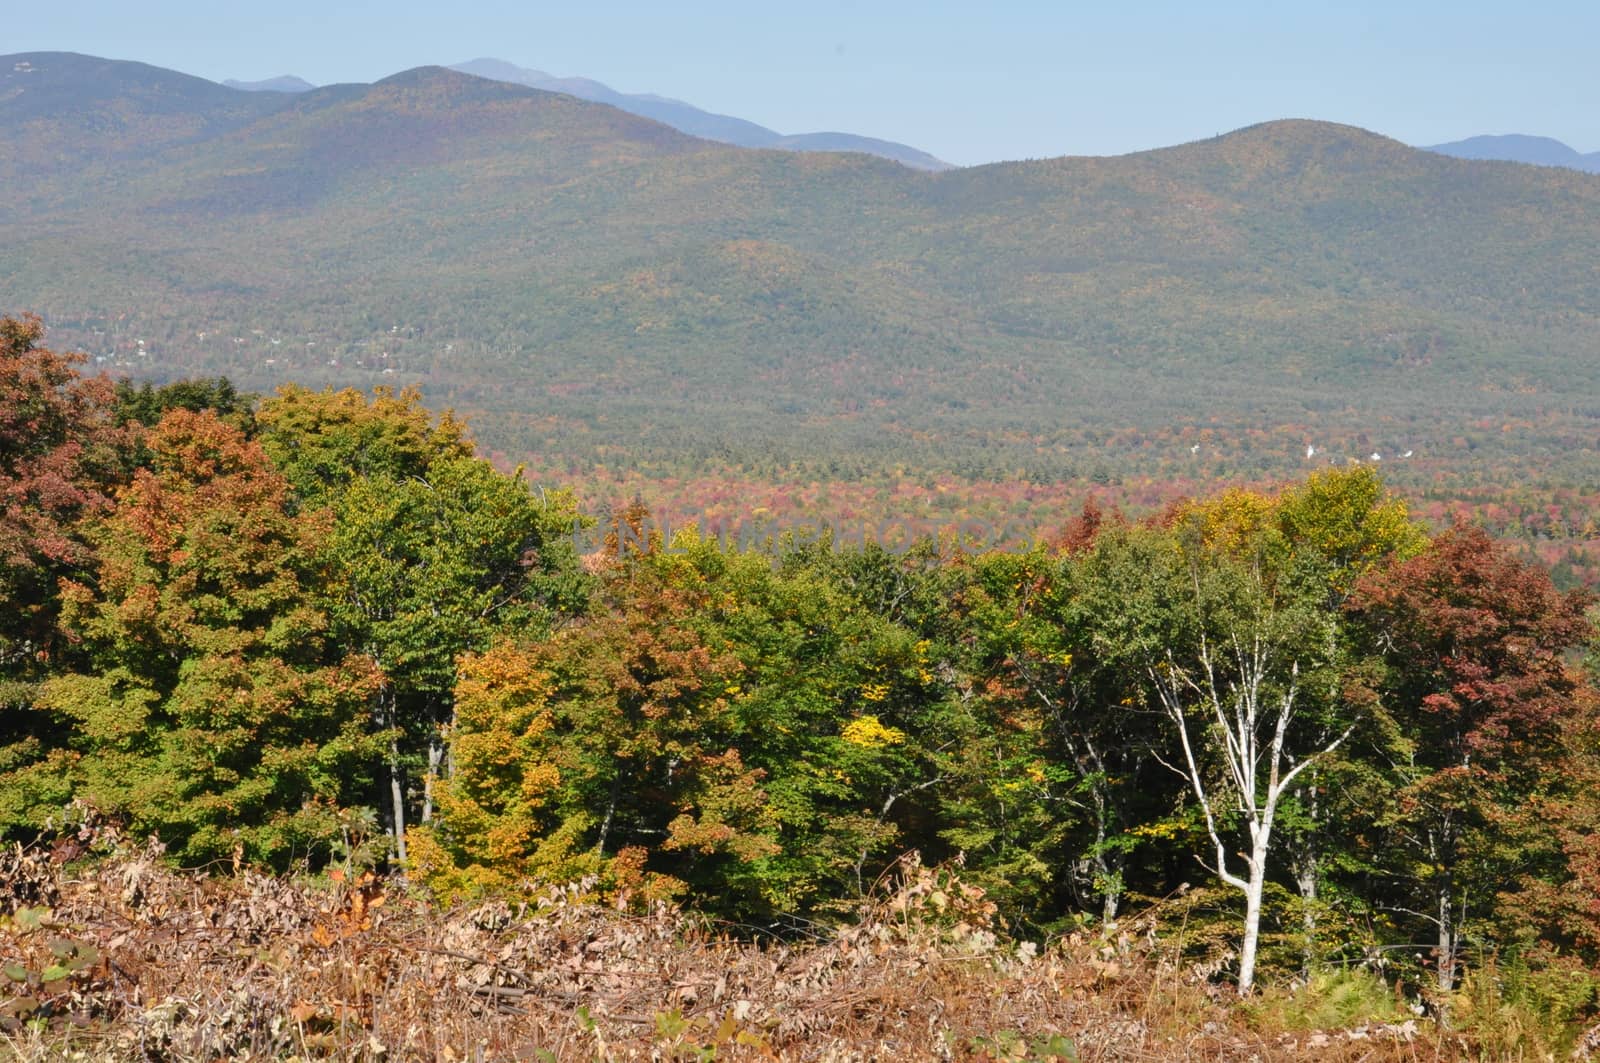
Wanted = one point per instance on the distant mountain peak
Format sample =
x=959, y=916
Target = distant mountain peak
x=500, y=69
x=422, y=75
x=692, y=120
x=446, y=80
x=1311, y=132
x=1520, y=147
x=281, y=83
x=1287, y=147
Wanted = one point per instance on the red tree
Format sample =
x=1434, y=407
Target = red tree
x=1475, y=642
x=59, y=454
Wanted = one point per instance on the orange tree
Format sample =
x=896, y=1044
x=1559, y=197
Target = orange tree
x=209, y=708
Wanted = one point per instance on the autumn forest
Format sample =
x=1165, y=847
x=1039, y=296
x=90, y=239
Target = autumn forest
x=1294, y=738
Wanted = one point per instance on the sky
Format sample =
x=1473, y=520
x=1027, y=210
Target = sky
x=969, y=83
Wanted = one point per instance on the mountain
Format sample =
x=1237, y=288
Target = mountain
x=598, y=289
x=60, y=111
x=1540, y=151
x=283, y=83
x=678, y=115
x=888, y=149
x=692, y=120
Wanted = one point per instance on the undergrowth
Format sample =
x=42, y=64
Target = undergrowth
x=123, y=958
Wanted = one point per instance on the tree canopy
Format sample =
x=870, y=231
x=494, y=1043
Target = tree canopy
x=322, y=628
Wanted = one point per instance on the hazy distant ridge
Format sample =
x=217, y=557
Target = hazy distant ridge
x=282, y=83
x=689, y=119
x=1516, y=147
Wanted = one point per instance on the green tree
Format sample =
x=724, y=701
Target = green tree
x=1326, y=533
x=61, y=456
x=713, y=727
x=431, y=554
x=212, y=710
x=1088, y=768
x=325, y=440
x=147, y=403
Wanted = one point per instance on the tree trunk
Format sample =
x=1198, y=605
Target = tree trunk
x=397, y=796
x=1307, y=876
x=1111, y=900
x=1255, y=889
x=1447, y=938
x=611, y=810
x=1305, y=879
x=1108, y=877
x=435, y=759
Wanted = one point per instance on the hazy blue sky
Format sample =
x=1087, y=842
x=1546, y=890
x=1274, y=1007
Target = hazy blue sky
x=968, y=83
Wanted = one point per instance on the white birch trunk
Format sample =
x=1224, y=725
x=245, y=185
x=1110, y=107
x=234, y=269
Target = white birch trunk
x=1254, y=778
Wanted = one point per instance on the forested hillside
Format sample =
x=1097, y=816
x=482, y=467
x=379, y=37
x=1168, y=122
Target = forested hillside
x=1291, y=736
x=569, y=275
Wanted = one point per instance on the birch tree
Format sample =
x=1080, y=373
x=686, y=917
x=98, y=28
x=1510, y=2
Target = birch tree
x=1236, y=705
x=1237, y=662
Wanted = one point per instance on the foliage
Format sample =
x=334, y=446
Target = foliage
x=327, y=440
x=61, y=457
x=268, y=648
x=1475, y=644
x=59, y=461
x=147, y=403
x=712, y=725
x=431, y=553
x=211, y=711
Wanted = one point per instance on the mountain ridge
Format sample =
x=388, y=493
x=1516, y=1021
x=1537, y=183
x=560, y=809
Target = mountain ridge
x=281, y=83
x=597, y=288
x=690, y=119
x=1518, y=147
x=64, y=109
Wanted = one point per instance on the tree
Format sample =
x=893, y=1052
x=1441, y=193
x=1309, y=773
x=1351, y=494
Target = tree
x=1244, y=676
x=211, y=710
x=886, y=646
x=712, y=727
x=430, y=567
x=1244, y=661
x=1090, y=766
x=1474, y=642
x=1551, y=905
x=431, y=554
x=147, y=403
x=1325, y=533
x=61, y=456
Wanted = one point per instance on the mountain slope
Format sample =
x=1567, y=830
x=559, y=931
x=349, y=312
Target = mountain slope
x=600, y=289
x=452, y=136
x=60, y=110
x=692, y=120
x=1540, y=151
